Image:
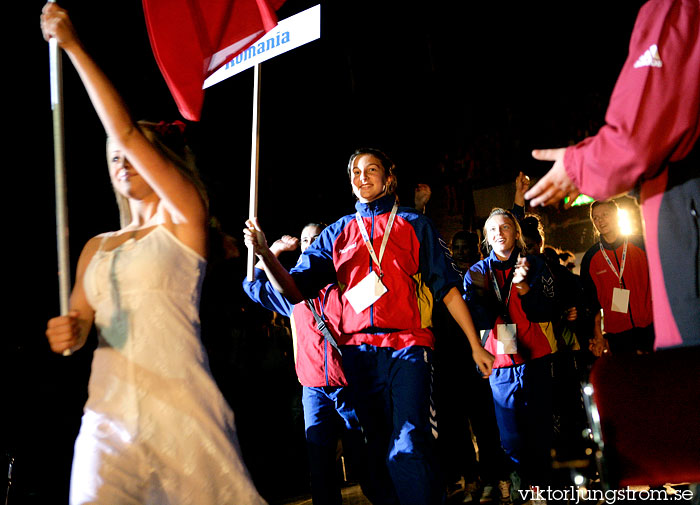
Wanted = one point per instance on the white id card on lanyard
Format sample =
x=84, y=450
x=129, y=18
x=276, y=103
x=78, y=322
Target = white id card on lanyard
x=370, y=289
x=506, y=334
x=620, y=300
x=507, y=341
x=366, y=292
x=620, y=296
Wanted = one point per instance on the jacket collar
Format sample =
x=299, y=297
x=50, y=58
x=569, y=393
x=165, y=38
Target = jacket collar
x=504, y=265
x=379, y=206
x=613, y=245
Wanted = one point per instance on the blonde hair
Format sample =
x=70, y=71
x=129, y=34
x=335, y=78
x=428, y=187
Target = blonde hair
x=497, y=211
x=169, y=139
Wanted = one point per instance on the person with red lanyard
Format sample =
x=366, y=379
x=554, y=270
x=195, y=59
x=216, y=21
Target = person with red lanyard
x=650, y=143
x=512, y=299
x=391, y=267
x=615, y=278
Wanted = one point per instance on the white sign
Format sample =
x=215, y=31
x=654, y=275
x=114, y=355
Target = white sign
x=289, y=34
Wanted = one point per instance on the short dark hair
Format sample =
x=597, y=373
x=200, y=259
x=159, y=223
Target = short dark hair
x=598, y=203
x=531, y=227
x=472, y=240
x=322, y=226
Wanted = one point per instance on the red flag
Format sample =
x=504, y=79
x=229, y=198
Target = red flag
x=191, y=39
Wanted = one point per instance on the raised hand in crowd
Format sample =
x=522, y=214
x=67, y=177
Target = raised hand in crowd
x=421, y=197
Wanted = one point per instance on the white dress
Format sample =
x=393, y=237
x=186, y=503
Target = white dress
x=155, y=428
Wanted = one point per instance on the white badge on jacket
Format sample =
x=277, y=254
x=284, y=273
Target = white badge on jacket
x=507, y=342
x=365, y=292
x=620, y=300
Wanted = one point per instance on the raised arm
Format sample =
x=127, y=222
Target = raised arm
x=421, y=196
x=522, y=184
x=181, y=198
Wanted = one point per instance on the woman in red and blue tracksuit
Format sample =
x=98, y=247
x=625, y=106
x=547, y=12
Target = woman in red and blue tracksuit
x=510, y=294
x=391, y=266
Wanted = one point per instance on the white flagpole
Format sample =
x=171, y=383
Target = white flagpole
x=254, y=155
x=56, y=75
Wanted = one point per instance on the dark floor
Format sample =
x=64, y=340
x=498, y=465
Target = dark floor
x=352, y=495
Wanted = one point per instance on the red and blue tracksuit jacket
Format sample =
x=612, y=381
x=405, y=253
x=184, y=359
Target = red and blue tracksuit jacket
x=599, y=282
x=316, y=361
x=532, y=313
x=416, y=269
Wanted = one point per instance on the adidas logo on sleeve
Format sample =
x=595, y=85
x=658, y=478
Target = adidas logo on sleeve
x=650, y=58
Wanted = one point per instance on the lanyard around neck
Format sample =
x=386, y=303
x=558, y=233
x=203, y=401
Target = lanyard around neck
x=507, y=284
x=387, y=231
x=612, y=267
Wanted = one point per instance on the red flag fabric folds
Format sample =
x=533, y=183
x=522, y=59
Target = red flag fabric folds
x=191, y=39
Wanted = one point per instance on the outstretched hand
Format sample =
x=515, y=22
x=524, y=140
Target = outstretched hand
x=556, y=184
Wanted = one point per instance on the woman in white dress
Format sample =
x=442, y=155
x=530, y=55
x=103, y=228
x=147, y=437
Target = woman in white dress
x=155, y=428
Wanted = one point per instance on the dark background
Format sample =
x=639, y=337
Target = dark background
x=491, y=79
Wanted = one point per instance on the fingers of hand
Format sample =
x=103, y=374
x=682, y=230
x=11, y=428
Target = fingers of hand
x=548, y=196
x=62, y=332
x=544, y=154
x=249, y=238
x=289, y=242
x=51, y=18
x=573, y=195
x=523, y=180
x=253, y=230
x=536, y=193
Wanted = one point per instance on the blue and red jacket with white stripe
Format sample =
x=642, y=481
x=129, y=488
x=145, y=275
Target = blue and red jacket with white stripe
x=532, y=313
x=416, y=269
x=316, y=362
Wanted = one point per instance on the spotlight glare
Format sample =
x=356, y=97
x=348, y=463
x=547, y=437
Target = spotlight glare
x=624, y=221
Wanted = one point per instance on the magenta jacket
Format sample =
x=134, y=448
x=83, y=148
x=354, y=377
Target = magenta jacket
x=650, y=140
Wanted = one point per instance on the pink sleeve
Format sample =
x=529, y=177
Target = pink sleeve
x=654, y=111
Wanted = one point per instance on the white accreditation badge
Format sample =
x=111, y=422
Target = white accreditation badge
x=620, y=300
x=366, y=292
x=370, y=289
x=621, y=296
x=507, y=341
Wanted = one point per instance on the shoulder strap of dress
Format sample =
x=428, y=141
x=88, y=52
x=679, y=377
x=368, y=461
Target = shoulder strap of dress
x=105, y=236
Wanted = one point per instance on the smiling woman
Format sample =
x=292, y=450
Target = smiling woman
x=512, y=298
x=392, y=267
x=155, y=427
x=371, y=174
